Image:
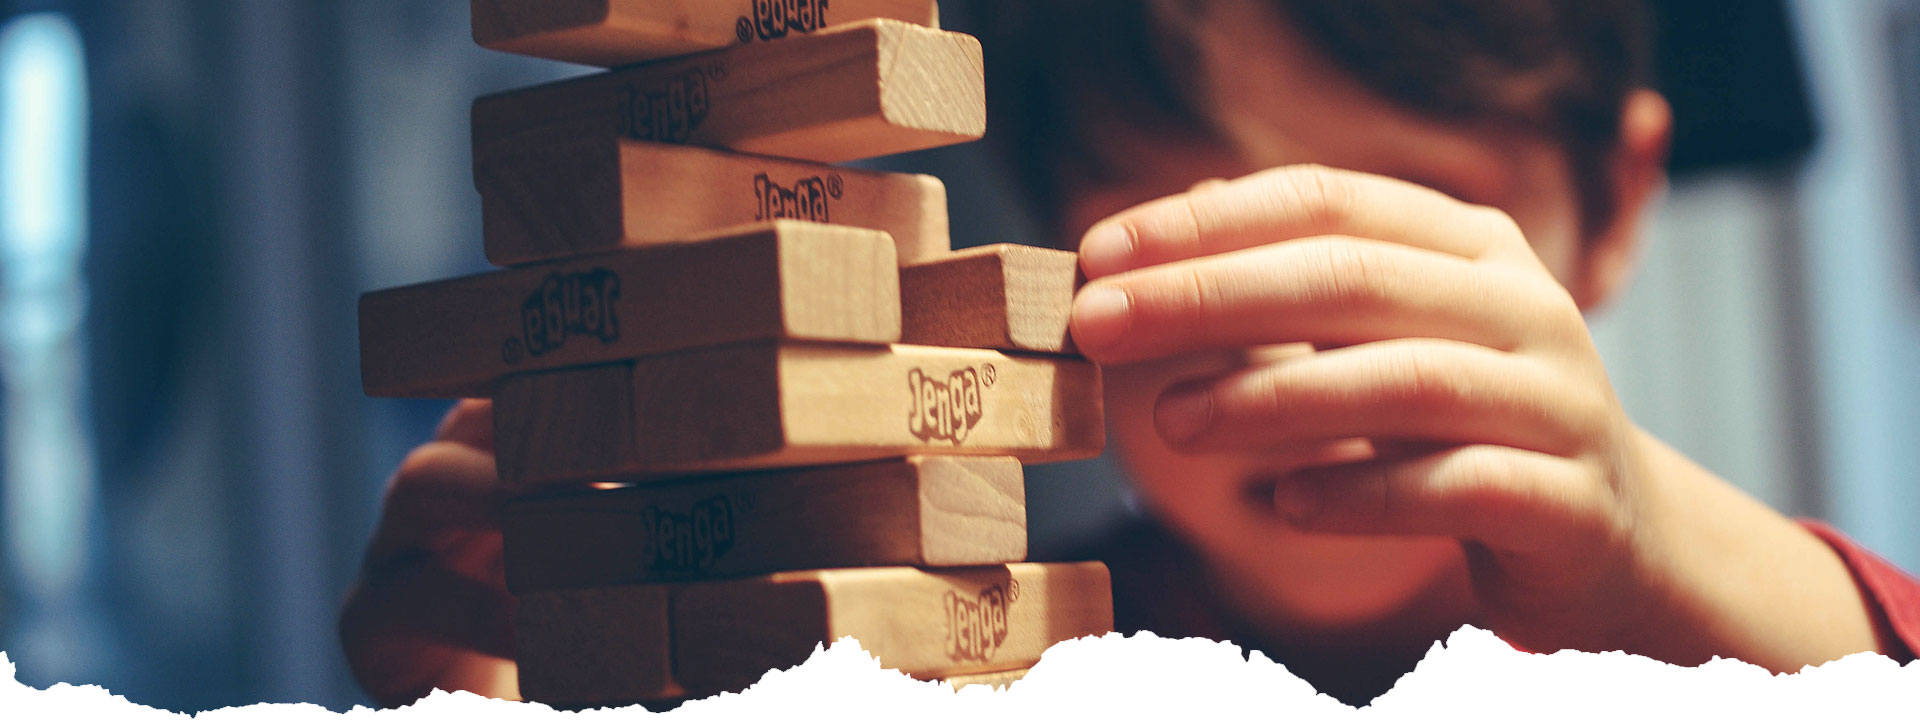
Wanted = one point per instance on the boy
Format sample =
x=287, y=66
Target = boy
x=1353, y=385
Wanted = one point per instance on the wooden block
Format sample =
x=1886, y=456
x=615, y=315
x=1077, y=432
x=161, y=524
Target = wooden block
x=609, y=33
x=927, y=624
x=925, y=512
x=596, y=647
x=1005, y=297
x=872, y=88
x=772, y=404
x=544, y=200
x=781, y=280
x=995, y=680
x=615, y=646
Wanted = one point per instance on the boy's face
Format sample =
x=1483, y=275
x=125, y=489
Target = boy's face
x=1280, y=104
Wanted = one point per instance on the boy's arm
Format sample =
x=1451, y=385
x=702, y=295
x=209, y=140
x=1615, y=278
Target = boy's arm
x=1734, y=578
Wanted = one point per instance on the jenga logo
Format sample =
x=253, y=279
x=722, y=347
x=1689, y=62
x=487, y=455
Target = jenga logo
x=774, y=19
x=692, y=541
x=976, y=627
x=947, y=410
x=806, y=200
x=564, y=306
x=671, y=113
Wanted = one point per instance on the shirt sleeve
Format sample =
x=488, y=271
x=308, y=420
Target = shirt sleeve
x=1888, y=590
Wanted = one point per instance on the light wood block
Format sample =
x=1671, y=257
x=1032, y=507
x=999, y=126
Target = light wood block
x=608, y=33
x=995, y=680
x=595, y=647
x=786, y=279
x=1005, y=297
x=924, y=623
x=864, y=90
x=924, y=511
x=545, y=200
x=615, y=646
x=771, y=404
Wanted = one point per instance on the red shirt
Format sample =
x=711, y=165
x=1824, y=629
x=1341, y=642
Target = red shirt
x=1892, y=593
x=1159, y=586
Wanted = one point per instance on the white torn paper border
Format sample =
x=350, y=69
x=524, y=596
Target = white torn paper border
x=1473, y=675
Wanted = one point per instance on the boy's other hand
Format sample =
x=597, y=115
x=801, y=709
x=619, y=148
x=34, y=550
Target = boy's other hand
x=1441, y=330
x=430, y=609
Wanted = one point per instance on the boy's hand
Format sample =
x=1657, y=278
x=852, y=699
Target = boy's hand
x=431, y=609
x=1441, y=330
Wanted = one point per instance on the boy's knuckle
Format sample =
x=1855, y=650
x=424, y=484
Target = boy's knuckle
x=1422, y=383
x=1484, y=471
x=426, y=461
x=1499, y=226
x=1196, y=298
x=465, y=413
x=1325, y=196
x=1356, y=279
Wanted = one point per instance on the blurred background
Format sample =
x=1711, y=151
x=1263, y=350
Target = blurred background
x=194, y=192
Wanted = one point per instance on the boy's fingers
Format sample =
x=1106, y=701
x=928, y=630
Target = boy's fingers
x=443, y=490
x=416, y=627
x=1288, y=203
x=1420, y=390
x=1328, y=291
x=1505, y=498
x=418, y=599
x=470, y=423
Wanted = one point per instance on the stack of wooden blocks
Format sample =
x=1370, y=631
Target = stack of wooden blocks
x=750, y=402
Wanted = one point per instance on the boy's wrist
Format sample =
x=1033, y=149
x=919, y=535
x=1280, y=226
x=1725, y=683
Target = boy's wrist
x=1723, y=575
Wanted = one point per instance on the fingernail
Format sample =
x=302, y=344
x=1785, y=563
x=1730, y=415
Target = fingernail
x=1298, y=502
x=1184, y=414
x=1107, y=249
x=1100, y=317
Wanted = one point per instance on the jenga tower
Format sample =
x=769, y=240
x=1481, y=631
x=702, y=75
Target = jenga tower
x=750, y=403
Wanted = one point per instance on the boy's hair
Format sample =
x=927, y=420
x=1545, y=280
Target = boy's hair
x=1559, y=69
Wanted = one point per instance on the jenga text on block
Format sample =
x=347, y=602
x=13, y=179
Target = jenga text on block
x=928, y=624
x=610, y=33
x=573, y=196
x=928, y=511
x=864, y=90
x=786, y=279
x=772, y=404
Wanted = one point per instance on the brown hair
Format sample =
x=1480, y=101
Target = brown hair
x=1561, y=69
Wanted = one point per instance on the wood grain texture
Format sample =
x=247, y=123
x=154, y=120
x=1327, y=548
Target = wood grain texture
x=922, y=511
x=595, y=647
x=1004, y=297
x=786, y=279
x=928, y=624
x=774, y=404
x=609, y=33
x=543, y=200
x=872, y=88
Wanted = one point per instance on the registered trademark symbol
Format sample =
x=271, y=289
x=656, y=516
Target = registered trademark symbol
x=835, y=186
x=512, y=351
x=744, y=30
x=989, y=375
x=1013, y=590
